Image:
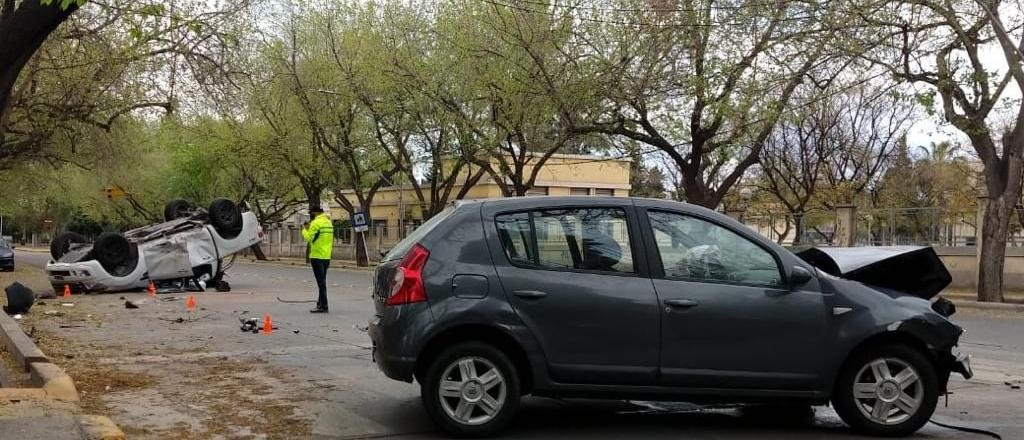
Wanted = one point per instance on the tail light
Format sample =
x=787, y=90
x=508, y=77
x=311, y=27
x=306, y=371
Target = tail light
x=407, y=285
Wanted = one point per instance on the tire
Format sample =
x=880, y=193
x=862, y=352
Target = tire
x=61, y=244
x=226, y=218
x=904, y=416
x=111, y=250
x=504, y=394
x=177, y=208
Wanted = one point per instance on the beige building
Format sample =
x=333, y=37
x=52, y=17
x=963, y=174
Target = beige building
x=561, y=175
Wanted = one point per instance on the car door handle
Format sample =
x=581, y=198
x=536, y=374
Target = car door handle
x=530, y=294
x=681, y=303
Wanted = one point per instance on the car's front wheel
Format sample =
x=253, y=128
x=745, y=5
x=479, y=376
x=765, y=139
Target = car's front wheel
x=888, y=391
x=471, y=390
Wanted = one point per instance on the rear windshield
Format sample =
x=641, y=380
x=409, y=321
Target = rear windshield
x=403, y=246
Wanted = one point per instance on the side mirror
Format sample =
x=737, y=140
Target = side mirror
x=798, y=276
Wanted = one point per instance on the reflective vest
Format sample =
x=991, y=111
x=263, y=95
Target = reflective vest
x=320, y=236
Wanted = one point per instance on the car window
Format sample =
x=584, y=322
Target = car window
x=577, y=238
x=514, y=232
x=691, y=248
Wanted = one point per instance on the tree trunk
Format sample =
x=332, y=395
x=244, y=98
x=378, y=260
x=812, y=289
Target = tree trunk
x=798, y=228
x=993, y=250
x=21, y=33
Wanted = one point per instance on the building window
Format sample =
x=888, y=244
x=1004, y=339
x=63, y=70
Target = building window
x=604, y=192
x=379, y=227
x=579, y=191
x=537, y=191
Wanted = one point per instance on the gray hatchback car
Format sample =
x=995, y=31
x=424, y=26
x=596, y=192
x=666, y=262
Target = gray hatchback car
x=621, y=298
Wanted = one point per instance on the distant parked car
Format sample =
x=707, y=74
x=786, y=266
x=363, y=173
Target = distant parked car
x=6, y=256
x=193, y=244
x=650, y=299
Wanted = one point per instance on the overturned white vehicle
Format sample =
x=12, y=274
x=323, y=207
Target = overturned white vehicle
x=191, y=244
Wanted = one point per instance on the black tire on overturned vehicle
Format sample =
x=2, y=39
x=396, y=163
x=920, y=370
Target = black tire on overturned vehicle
x=225, y=217
x=61, y=244
x=177, y=208
x=111, y=249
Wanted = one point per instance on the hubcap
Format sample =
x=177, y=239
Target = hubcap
x=472, y=391
x=888, y=391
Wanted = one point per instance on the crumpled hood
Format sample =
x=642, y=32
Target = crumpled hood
x=914, y=270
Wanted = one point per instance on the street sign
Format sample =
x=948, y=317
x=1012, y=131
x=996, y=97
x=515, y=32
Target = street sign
x=114, y=192
x=359, y=222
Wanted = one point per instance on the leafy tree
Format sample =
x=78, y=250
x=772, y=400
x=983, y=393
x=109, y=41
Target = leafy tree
x=938, y=45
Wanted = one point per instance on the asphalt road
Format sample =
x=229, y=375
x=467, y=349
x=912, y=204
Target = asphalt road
x=344, y=396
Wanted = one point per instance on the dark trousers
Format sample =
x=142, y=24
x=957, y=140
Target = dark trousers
x=320, y=273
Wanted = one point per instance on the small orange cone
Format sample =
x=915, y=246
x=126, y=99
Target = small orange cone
x=152, y=289
x=67, y=291
x=268, y=325
x=191, y=304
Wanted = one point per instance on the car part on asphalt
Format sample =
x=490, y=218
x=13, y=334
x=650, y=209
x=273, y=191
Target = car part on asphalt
x=177, y=208
x=969, y=429
x=620, y=298
x=61, y=244
x=19, y=298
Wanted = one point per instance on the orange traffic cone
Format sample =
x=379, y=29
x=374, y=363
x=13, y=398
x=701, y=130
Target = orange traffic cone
x=152, y=289
x=67, y=291
x=268, y=325
x=191, y=304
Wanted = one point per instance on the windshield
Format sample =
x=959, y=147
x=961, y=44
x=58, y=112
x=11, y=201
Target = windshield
x=403, y=246
x=4, y=245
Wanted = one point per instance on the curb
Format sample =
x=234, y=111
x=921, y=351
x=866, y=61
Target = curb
x=978, y=305
x=99, y=428
x=21, y=347
x=345, y=265
x=51, y=378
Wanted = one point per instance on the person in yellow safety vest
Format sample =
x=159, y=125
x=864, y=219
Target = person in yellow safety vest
x=319, y=233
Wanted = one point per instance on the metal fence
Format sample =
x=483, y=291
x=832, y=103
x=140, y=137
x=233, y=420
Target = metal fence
x=932, y=226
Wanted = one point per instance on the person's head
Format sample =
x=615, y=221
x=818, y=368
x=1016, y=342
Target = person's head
x=316, y=210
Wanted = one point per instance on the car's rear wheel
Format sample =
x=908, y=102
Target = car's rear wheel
x=471, y=390
x=177, y=208
x=61, y=244
x=111, y=250
x=888, y=391
x=226, y=218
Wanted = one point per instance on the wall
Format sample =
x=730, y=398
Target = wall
x=961, y=262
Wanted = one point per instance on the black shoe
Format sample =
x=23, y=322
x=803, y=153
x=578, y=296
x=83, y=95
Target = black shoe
x=318, y=310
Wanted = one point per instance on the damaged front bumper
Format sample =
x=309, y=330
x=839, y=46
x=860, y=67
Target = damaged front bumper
x=961, y=363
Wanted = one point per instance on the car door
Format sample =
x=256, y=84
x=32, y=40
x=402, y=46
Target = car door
x=728, y=318
x=572, y=277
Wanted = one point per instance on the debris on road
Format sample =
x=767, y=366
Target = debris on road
x=67, y=304
x=130, y=305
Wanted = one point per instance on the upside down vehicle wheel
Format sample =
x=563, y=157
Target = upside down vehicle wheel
x=111, y=250
x=226, y=218
x=61, y=244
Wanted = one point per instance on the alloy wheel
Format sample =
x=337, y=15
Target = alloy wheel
x=888, y=391
x=472, y=391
